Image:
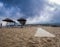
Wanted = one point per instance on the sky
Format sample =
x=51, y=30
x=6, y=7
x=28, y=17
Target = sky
x=35, y=11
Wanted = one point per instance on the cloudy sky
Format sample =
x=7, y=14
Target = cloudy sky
x=35, y=11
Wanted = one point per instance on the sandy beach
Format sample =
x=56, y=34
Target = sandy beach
x=24, y=37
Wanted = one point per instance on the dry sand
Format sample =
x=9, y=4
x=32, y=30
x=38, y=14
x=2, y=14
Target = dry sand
x=24, y=37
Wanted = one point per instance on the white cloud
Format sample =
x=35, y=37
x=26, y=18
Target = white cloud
x=45, y=16
x=1, y=5
x=54, y=1
x=13, y=13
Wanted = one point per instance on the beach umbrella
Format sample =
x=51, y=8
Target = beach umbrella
x=8, y=20
x=22, y=21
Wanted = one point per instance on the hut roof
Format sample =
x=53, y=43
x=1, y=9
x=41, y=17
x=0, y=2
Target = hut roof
x=8, y=20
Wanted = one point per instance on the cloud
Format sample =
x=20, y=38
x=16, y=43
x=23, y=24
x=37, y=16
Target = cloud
x=28, y=7
x=9, y=12
x=50, y=14
x=54, y=1
x=35, y=11
x=56, y=14
x=44, y=17
x=19, y=8
x=1, y=5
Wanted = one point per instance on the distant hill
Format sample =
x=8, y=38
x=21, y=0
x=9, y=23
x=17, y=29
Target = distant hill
x=52, y=24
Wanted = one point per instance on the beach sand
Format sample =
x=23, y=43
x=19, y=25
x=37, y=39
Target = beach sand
x=24, y=37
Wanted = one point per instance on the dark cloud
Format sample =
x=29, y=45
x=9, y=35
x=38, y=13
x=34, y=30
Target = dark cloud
x=29, y=8
x=36, y=11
